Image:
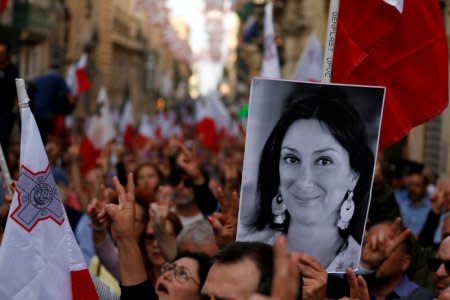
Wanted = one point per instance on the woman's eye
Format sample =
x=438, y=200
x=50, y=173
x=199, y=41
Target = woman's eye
x=291, y=159
x=184, y=275
x=324, y=161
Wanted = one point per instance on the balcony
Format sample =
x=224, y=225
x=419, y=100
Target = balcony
x=33, y=18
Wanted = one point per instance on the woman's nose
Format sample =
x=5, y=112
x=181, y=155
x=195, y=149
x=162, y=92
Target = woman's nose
x=305, y=178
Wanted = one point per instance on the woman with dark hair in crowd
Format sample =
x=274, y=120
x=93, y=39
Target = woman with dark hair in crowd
x=148, y=178
x=313, y=181
x=181, y=279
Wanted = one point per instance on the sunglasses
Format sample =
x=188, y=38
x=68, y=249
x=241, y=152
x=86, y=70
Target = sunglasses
x=150, y=237
x=434, y=263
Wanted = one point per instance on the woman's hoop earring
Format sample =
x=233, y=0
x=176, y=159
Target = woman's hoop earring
x=346, y=212
x=278, y=209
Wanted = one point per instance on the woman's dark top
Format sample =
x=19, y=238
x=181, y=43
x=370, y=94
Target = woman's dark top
x=144, y=291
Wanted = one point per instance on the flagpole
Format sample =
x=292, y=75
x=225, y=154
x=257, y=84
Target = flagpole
x=330, y=40
x=5, y=171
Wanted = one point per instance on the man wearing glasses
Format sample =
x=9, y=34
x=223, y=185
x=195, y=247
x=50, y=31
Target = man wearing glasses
x=440, y=267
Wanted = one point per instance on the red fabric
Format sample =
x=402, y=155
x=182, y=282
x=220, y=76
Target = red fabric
x=128, y=137
x=406, y=52
x=206, y=132
x=83, y=80
x=89, y=155
x=82, y=286
x=3, y=5
x=140, y=141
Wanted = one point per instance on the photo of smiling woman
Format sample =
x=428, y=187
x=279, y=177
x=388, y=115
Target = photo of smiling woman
x=315, y=168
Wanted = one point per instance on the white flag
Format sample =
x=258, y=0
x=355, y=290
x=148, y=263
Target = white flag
x=101, y=128
x=271, y=64
x=39, y=256
x=309, y=66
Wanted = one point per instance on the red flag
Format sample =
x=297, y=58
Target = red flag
x=3, y=5
x=402, y=48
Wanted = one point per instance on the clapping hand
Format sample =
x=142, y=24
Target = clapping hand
x=225, y=222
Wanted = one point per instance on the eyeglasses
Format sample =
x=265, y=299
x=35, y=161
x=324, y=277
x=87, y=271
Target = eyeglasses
x=180, y=273
x=434, y=264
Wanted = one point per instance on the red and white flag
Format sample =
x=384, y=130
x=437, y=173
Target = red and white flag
x=126, y=125
x=270, y=64
x=39, y=256
x=76, y=78
x=309, y=66
x=398, y=44
x=213, y=121
x=99, y=132
x=83, y=83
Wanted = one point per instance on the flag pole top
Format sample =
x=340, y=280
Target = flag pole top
x=22, y=93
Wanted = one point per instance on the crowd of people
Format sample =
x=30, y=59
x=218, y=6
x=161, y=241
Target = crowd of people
x=162, y=218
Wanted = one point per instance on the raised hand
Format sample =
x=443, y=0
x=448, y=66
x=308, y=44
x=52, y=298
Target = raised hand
x=315, y=277
x=225, y=222
x=378, y=247
x=187, y=160
x=158, y=215
x=97, y=206
x=285, y=281
x=121, y=216
x=358, y=286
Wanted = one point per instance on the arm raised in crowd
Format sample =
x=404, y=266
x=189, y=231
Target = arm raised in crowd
x=166, y=242
x=121, y=217
x=224, y=223
x=203, y=196
x=104, y=246
x=379, y=247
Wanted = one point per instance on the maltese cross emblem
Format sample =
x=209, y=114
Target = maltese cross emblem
x=38, y=199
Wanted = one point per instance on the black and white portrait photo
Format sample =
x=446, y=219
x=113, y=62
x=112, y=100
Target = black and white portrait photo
x=308, y=167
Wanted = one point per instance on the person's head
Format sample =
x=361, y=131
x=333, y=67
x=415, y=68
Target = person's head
x=183, y=278
x=417, y=186
x=316, y=154
x=240, y=270
x=5, y=53
x=184, y=194
x=153, y=252
x=397, y=263
x=198, y=237
x=440, y=266
x=147, y=177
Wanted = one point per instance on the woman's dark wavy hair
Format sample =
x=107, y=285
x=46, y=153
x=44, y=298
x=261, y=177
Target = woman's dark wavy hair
x=347, y=128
